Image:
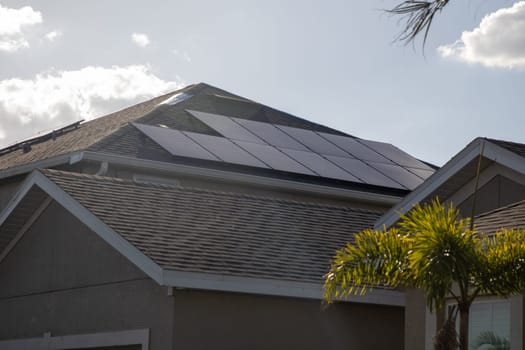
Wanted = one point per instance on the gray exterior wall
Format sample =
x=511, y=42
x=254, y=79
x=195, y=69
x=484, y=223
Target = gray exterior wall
x=62, y=278
x=7, y=190
x=206, y=320
x=496, y=193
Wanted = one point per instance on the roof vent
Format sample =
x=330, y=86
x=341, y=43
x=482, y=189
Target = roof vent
x=26, y=147
x=182, y=96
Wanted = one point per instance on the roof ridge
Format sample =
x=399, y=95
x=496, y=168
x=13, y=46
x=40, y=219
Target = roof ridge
x=54, y=172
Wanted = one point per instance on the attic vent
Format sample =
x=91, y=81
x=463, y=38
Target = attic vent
x=26, y=147
x=176, y=99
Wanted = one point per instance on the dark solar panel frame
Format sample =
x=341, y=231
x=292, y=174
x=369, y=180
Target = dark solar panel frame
x=175, y=142
x=364, y=172
x=274, y=157
x=355, y=148
x=271, y=134
x=314, y=141
x=399, y=174
x=395, y=154
x=320, y=165
x=226, y=127
x=225, y=150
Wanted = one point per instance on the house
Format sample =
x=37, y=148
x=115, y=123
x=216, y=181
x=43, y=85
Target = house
x=498, y=204
x=200, y=219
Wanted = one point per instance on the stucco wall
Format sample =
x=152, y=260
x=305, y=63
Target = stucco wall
x=208, y=320
x=62, y=278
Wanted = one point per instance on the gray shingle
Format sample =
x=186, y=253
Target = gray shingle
x=509, y=217
x=195, y=230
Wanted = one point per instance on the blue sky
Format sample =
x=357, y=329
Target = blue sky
x=332, y=62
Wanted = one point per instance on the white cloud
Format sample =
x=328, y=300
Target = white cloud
x=140, y=39
x=498, y=41
x=54, y=35
x=12, y=24
x=184, y=55
x=56, y=98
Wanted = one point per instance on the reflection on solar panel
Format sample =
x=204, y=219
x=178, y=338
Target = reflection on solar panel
x=274, y=158
x=225, y=150
x=270, y=134
x=226, y=127
x=175, y=142
x=313, y=141
x=399, y=174
x=363, y=171
x=319, y=164
x=395, y=154
x=355, y=148
x=422, y=173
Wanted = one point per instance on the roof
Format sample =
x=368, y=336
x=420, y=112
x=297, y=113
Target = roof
x=508, y=217
x=210, y=128
x=458, y=172
x=200, y=239
x=195, y=230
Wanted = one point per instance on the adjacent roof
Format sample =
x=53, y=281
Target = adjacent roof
x=195, y=230
x=508, y=217
x=459, y=171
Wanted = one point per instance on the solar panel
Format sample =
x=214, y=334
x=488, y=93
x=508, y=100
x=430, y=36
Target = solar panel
x=320, y=165
x=226, y=127
x=175, y=142
x=274, y=158
x=400, y=174
x=395, y=154
x=363, y=171
x=422, y=173
x=225, y=150
x=355, y=148
x=313, y=141
x=272, y=135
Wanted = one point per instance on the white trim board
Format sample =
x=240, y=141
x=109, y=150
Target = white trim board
x=80, y=341
x=491, y=151
x=177, y=279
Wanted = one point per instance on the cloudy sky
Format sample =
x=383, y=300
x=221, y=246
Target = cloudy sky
x=332, y=62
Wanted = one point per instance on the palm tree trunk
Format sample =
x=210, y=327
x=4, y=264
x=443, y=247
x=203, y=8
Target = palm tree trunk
x=463, y=327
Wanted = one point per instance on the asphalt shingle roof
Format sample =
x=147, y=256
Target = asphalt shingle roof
x=196, y=230
x=510, y=217
x=515, y=147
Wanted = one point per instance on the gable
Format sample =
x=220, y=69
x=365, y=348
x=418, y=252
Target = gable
x=456, y=180
x=58, y=252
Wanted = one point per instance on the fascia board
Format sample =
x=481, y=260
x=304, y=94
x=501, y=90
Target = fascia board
x=220, y=175
x=504, y=157
x=432, y=183
x=18, y=196
x=148, y=266
x=263, y=286
x=68, y=158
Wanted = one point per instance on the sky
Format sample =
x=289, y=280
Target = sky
x=332, y=62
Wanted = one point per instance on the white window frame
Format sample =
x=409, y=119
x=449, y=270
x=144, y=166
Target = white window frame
x=80, y=341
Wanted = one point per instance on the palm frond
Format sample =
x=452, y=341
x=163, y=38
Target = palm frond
x=418, y=17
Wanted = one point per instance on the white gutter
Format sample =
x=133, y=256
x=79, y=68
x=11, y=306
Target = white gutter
x=228, y=176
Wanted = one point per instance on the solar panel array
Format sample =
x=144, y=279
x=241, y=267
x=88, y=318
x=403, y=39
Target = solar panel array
x=294, y=150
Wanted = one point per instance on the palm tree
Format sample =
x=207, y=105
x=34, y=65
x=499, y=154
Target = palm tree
x=435, y=250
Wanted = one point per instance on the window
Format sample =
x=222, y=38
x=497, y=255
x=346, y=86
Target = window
x=489, y=324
